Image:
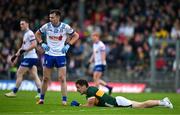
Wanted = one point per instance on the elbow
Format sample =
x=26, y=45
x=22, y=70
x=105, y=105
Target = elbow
x=77, y=36
x=37, y=34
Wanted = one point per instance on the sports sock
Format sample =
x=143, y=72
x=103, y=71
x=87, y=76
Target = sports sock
x=42, y=97
x=64, y=98
x=38, y=90
x=15, y=90
x=108, y=86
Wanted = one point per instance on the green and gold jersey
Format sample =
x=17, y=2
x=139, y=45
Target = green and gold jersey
x=103, y=99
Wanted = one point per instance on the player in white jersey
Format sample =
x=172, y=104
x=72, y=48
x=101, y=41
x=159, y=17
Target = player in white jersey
x=55, y=51
x=30, y=58
x=99, y=59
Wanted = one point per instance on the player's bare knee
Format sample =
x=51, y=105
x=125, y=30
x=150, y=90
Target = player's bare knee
x=45, y=79
x=62, y=79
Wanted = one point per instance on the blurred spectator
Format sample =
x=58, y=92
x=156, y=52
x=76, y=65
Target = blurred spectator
x=133, y=21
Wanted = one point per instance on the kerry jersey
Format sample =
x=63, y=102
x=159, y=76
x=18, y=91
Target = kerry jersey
x=103, y=99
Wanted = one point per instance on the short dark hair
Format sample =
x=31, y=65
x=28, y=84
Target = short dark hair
x=82, y=82
x=24, y=19
x=56, y=11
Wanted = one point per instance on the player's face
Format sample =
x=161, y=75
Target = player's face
x=94, y=37
x=81, y=89
x=23, y=25
x=54, y=19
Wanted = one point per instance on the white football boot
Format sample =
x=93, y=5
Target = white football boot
x=167, y=103
x=10, y=94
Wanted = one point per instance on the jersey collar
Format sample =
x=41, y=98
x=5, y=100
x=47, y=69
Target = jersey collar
x=57, y=25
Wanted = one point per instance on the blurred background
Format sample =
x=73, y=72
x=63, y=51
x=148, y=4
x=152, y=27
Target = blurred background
x=142, y=38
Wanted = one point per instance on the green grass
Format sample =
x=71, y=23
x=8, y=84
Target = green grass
x=24, y=104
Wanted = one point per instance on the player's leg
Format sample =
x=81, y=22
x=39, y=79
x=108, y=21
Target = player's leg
x=123, y=102
x=35, y=77
x=62, y=78
x=98, y=73
x=96, y=78
x=61, y=65
x=19, y=77
x=45, y=81
x=152, y=103
x=47, y=70
x=145, y=104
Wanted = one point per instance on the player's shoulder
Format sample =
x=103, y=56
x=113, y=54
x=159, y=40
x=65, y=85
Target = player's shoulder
x=64, y=25
x=91, y=91
x=101, y=43
x=30, y=32
x=92, y=88
x=48, y=24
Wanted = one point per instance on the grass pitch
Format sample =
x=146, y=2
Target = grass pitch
x=25, y=104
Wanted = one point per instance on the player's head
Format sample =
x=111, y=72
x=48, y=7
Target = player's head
x=54, y=17
x=24, y=24
x=82, y=86
x=95, y=36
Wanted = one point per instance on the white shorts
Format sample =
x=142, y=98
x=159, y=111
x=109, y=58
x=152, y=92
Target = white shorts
x=123, y=102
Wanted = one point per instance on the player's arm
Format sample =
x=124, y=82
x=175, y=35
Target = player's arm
x=103, y=55
x=44, y=46
x=33, y=45
x=38, y=36
x=73, y=38
x=15, y=57
x=90, y=102
x=91, y=58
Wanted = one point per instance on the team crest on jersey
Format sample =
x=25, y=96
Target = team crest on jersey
x=56, y=30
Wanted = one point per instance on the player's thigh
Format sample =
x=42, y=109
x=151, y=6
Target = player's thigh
x=98, y=71
x=47, y=72
x=97, y=74
x=33, y=71
x=22, y=70
x=62, y=71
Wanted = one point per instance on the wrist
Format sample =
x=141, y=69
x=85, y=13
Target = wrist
x=69, y=45
x=40, y=42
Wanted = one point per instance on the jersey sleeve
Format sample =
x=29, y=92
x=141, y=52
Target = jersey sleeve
x=31, y=36
x=44, y=28
x=102, y=47
x=69, y=30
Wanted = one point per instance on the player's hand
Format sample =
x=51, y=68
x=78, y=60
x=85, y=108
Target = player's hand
x=45, y=47
x=21, y=51
x=75, y=103
x=87, y=65
x=13, y=58
x=65, y=48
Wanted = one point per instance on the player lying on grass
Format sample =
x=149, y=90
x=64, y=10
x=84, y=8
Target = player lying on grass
x=96, y=97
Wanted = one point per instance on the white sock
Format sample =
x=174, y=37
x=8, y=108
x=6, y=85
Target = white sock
x=161, y=102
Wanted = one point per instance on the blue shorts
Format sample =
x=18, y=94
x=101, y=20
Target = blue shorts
x=29, y=62
x=99, y=68
x=54, y=61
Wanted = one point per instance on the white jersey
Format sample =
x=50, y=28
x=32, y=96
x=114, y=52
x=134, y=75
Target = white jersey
x=56, y=37
x=27, y=39
x=98, y=48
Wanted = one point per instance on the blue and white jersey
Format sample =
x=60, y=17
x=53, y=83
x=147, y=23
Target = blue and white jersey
x=98, y=48
x=56, y=37
x=27, y=39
